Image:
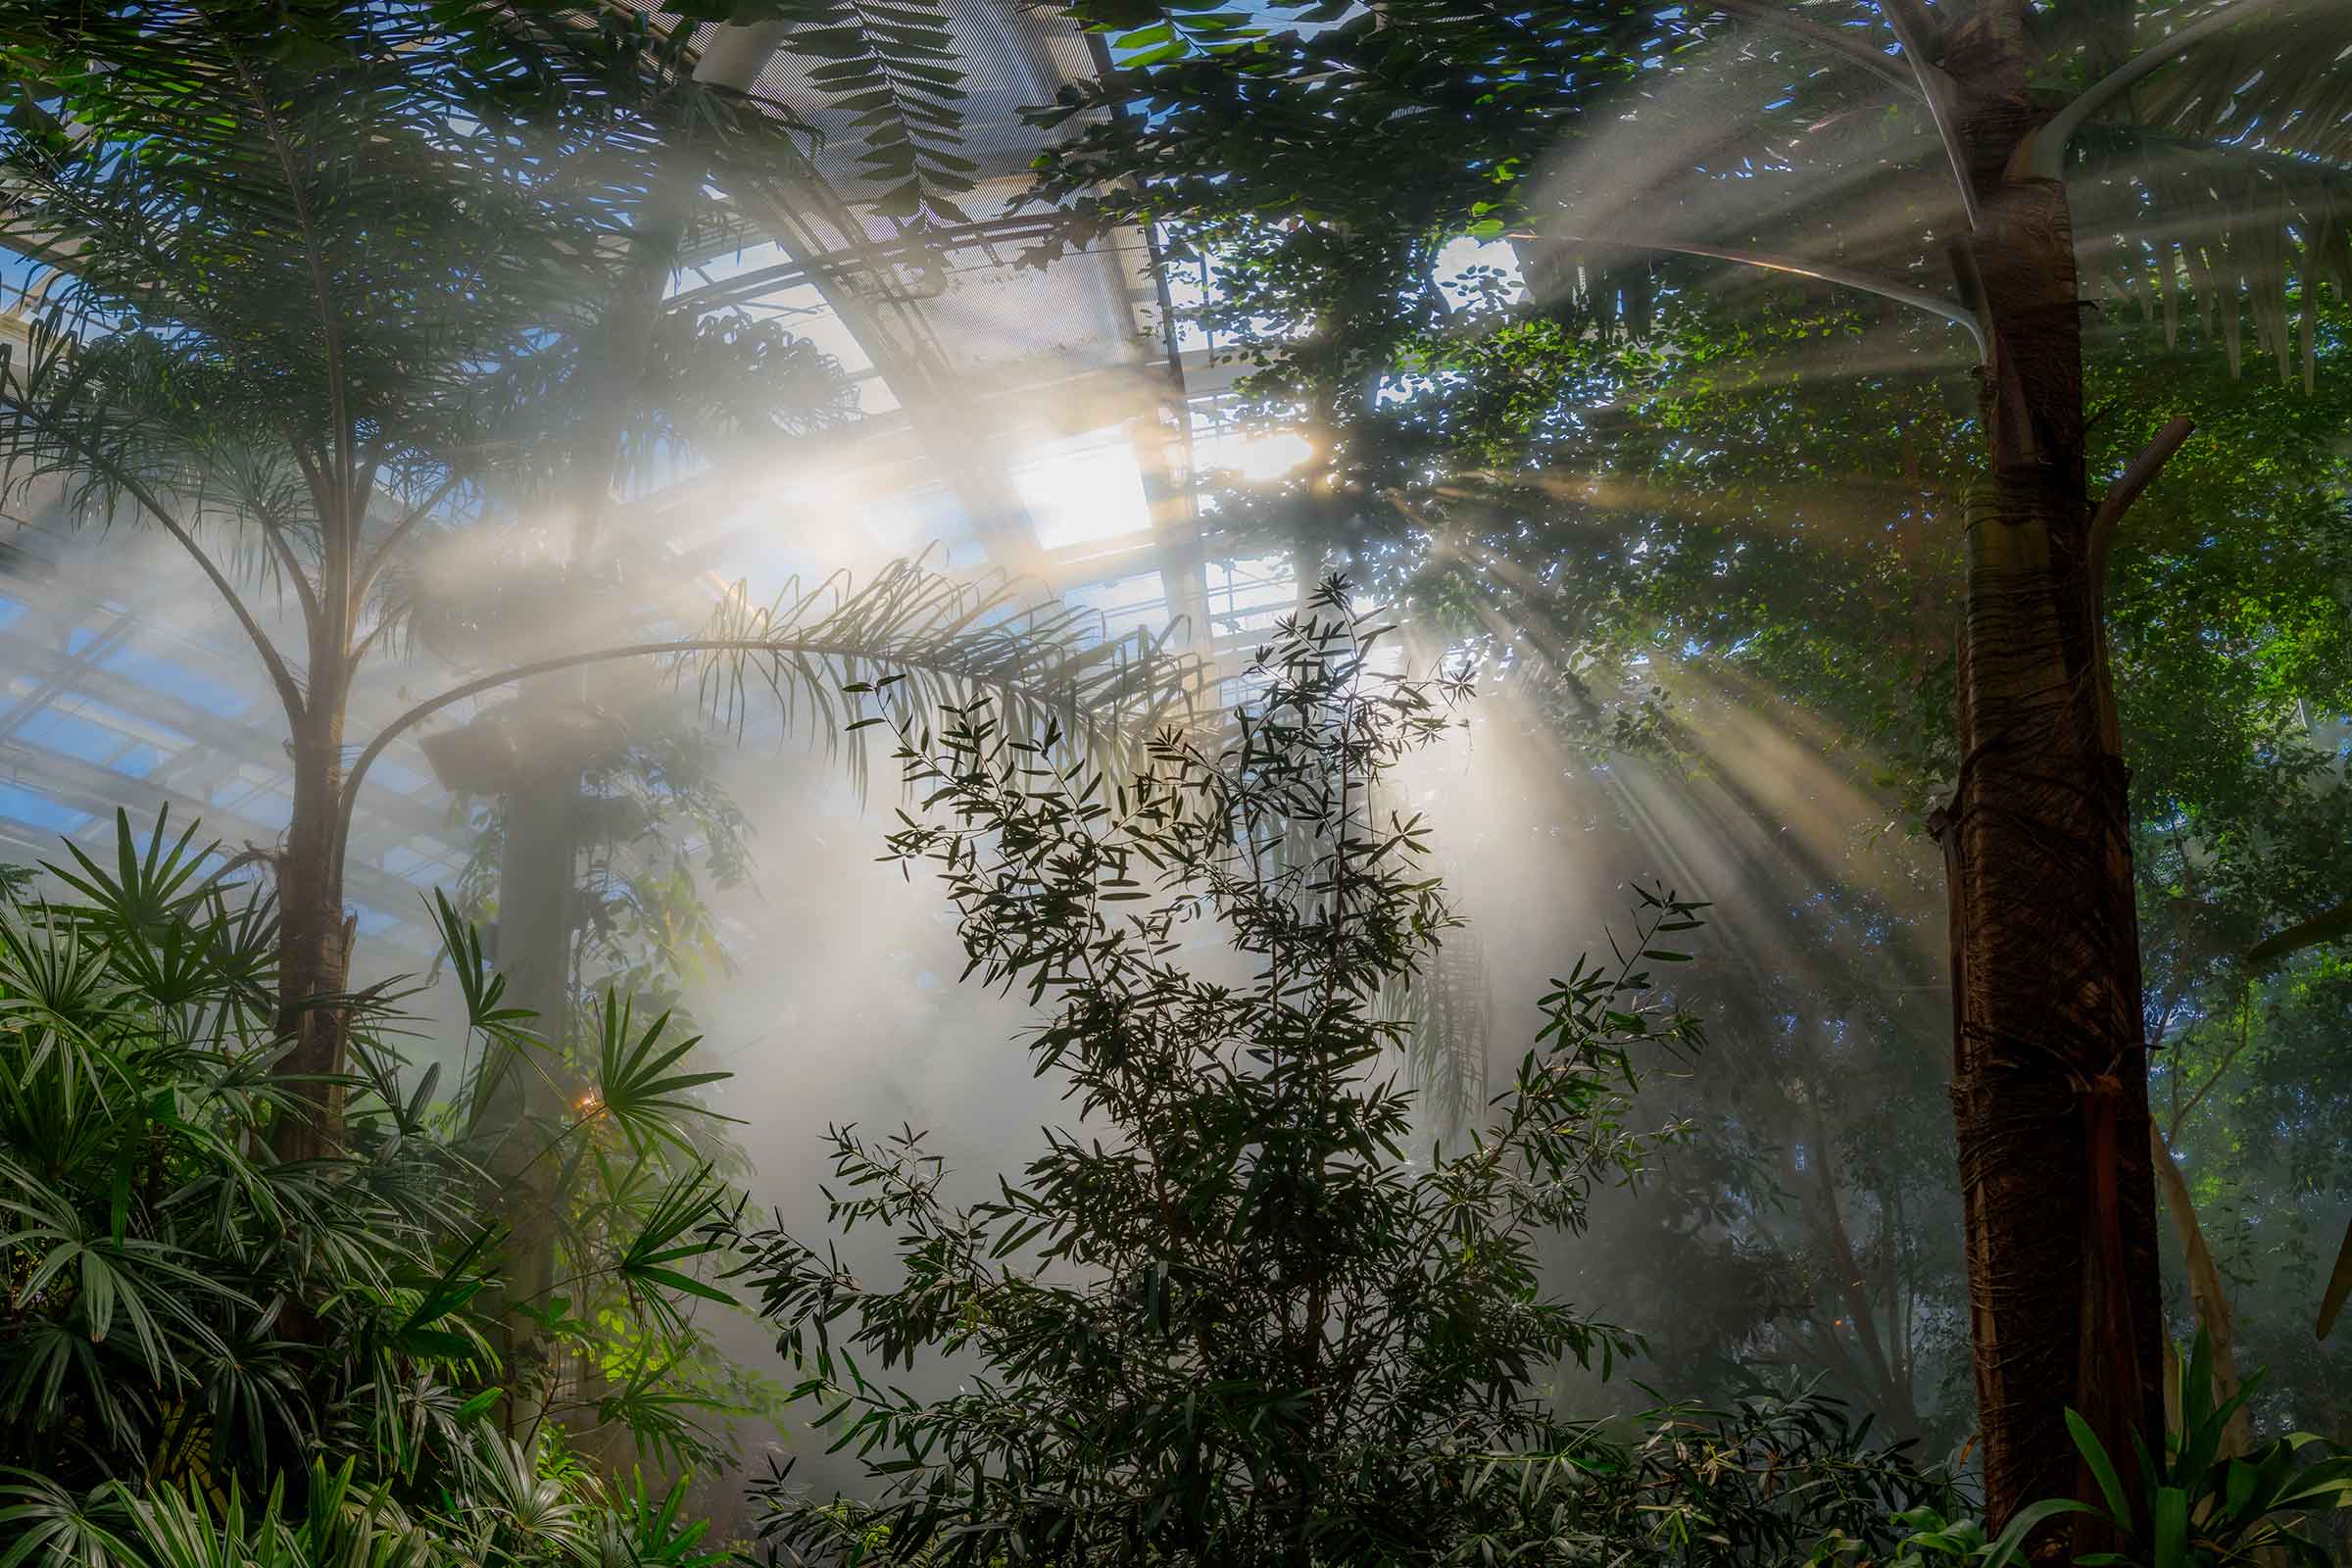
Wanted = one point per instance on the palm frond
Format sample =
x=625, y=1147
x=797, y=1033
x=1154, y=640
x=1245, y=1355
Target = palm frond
x=938, y=641
x=50, y=1526
x=641, y=1085
x=2223, y=179
x=892, y=68
x=932, y=640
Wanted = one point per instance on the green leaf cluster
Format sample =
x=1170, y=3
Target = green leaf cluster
x=187, y=1317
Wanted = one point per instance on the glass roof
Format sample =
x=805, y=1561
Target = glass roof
x=1008, y=416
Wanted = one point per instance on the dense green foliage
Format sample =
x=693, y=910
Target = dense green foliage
x=509, y=1507
x=367, y=305
x=183, y=1311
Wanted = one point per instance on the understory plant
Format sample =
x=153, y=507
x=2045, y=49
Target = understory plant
x=2194, y=1507
x=522, y=1507
x=1229, y=1317
x=2191, y=1505
x=181, y=1311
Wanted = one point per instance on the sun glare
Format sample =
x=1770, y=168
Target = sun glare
x=1259, y=458
x=1084, y=491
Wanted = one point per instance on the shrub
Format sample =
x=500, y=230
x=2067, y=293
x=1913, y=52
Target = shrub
x=1231, y=1321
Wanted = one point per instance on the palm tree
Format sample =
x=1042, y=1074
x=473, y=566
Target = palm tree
x=1997, y=164
x=323, y=283
x=2050, y=1074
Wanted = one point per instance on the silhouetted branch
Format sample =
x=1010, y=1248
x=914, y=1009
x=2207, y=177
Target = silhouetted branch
x=2273, y=951
x=2042, y=155
x=1767, y=261
x=2126, y=490
x=1916, y=33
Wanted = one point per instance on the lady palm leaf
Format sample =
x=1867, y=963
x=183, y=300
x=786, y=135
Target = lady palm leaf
x=54, y=1373
x=664, y=1414
x=526, y=1514
x=171, y=1529
x=118, y=1280
x=170, y=1526
x=249, y=1399
x=639, y=1086
x=681, y=1227
x=644, y=1531
x=151, y=1259
x=42, y=1525
x=435, y=1327
x=408, y=1420
x=57, y=1001
x=146, y=891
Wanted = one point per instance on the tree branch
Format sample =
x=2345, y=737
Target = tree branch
x=1850, y=1284
x=1837, y=40
x=2119, y=495
x=2245, y=1037
x=1912, y=31
x=288, y=563
x=845, y=644
x=2273, y=951
x=2339, y=1285
x=363, y=482
x=2043, y=154
x=1822, y=271
x=359, y=650
x=2206, y=1292
x=382, y=554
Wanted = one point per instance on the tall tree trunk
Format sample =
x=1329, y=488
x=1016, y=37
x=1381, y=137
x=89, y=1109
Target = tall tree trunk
x=1852, y=1289
x=536, y=896
x=2205, y=1292
x=315, y=936
x=2049, y=1074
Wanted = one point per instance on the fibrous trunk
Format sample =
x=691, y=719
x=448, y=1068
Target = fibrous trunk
x=2049, y=1074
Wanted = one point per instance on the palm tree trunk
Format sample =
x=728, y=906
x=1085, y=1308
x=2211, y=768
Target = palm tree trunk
x=315, y=936
x=538, y=873
x=2051, y=1071
x=536, y=896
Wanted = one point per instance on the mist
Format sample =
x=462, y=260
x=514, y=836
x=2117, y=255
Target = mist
x=1869, y=478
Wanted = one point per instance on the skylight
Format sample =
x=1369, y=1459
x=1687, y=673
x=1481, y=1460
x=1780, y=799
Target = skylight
x=1084, y=491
